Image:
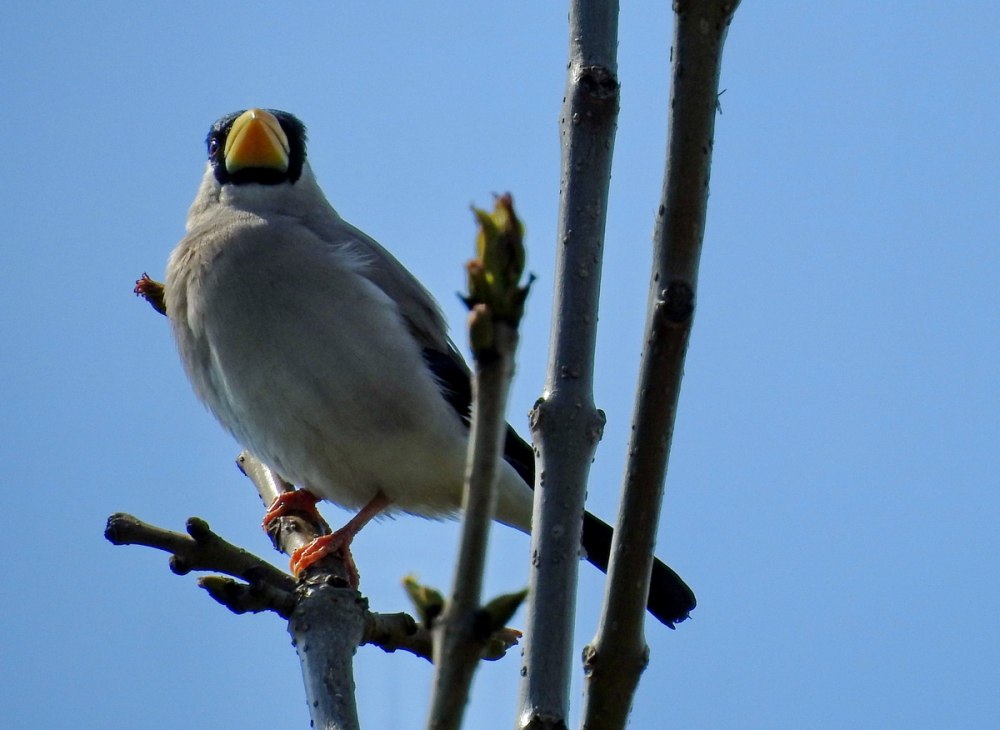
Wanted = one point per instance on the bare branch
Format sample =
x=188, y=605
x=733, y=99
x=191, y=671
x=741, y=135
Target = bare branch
x=200, y=549
x=460, y=633
x=290, y=531
x=618, y=654
x=243, y=598
x=496, y=302
x=566, y=425
x=327, y=626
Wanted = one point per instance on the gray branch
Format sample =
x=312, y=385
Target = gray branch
x=615, y=660
x=290, y=532
x=460, y=633
x=200, y=549
x=327, y=627
x=496, y=302
x=328, y=621
x=566, y=425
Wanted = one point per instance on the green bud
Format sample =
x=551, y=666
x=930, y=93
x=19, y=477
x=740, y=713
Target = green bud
x=427, y=601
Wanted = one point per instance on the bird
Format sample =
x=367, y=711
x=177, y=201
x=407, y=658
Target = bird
x=325, y=357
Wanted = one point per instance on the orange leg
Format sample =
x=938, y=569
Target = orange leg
x=339, y=541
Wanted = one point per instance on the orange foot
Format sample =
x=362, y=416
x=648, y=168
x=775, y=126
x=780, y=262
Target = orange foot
x=296, y=501
x=339, y=542
x=336, y=543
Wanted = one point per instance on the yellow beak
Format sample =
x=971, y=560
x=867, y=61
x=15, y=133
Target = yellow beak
x=256, y=139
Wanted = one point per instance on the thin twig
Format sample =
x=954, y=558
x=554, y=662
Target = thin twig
x=292, y=530
x=615, y=659
x=496, y=302
x=460, y=636
x=200, y=549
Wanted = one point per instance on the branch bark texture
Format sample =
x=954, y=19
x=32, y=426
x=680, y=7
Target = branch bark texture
x=615, y=659
x=328, y=621
x=496, y=303
x=327, y=627
x=460, y=634
x=566, y=425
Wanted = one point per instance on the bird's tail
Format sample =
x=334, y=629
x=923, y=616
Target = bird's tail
x=670, y=599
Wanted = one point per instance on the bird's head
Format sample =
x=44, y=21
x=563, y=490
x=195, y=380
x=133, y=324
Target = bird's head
x=263, y=146
x=257, y=164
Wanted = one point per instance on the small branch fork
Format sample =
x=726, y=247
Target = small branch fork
x=250, y=584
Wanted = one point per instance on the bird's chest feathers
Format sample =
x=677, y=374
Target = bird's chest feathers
x=267, y=309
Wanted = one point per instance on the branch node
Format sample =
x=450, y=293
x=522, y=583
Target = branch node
x=599, y=83
x=677, y=302
x=179, y=566
x=199, y=529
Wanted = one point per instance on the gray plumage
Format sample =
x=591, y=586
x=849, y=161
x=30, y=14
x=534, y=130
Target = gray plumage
x=325, y=357
x=306, y=339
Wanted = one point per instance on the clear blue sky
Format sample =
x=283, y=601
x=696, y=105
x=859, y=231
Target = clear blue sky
x=833, y=491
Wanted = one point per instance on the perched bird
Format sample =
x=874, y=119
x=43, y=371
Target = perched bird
x=324, y=356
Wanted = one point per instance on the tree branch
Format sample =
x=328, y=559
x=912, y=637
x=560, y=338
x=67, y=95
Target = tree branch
x=326, y=627
x=328, y=620
x=461, y=631
x=496, y=303
x=201, y=549
x=293, y=530
x=266, y=587
x=565, y=423
x=615, y=659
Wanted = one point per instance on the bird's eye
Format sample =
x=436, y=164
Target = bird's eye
x=213, y=147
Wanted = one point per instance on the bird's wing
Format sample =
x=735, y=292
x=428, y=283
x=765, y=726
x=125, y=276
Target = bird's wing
x=416, y=305
x=670, y=599
x=422, y=316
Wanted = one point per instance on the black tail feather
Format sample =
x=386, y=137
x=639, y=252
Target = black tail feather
x=670, y=599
